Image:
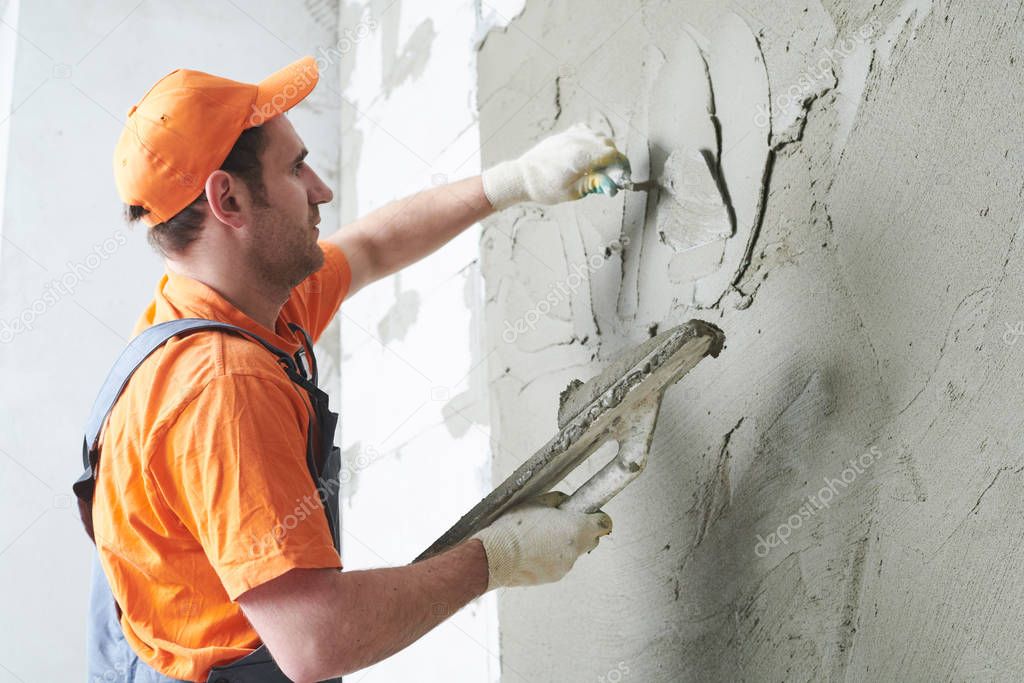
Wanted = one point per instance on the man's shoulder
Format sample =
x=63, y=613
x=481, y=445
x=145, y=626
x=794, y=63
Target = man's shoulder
x=180, y=370
x=208, y=354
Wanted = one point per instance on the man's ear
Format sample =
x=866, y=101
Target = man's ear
x=228, y=198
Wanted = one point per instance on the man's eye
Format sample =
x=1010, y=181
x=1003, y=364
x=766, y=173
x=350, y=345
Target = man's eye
x=299, y=165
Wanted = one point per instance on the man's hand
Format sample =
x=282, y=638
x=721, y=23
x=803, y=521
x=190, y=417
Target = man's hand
x=535, y=542
x=558, y=169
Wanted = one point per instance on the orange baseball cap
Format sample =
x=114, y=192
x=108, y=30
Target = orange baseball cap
x=182, y=130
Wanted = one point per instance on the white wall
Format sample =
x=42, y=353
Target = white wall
x=78, y=69
x=8, y=49
x=414, y=401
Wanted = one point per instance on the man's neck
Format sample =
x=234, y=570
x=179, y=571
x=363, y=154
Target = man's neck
x=262, y=304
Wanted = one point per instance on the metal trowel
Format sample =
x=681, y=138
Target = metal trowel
x=621, y=404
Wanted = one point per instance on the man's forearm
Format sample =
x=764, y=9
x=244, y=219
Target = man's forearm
x=558, y=169
x=381, y=611
x=408, y=229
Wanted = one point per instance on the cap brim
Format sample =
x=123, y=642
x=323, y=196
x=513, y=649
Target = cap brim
x=282, y=90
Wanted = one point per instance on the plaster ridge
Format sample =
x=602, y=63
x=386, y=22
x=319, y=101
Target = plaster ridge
x=719, y=482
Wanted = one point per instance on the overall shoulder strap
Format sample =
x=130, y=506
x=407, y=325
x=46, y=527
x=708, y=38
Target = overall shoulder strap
x=139, y=349
x=126, y=364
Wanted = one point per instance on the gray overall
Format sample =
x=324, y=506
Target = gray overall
x=111, y=660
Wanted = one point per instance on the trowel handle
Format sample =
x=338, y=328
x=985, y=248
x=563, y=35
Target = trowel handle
x=634, y=438
x=608, y=178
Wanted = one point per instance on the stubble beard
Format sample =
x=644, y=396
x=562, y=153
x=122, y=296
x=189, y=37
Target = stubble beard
x=286, y=254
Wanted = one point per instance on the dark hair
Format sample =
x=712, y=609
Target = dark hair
x=173, y=236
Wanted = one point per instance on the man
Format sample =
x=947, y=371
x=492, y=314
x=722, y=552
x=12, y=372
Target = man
x=213, y=528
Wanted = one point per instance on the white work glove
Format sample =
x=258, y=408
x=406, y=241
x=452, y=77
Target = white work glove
x=535, y=542
x=557, y=169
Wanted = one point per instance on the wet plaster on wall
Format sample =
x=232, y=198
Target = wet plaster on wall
x=882, y=285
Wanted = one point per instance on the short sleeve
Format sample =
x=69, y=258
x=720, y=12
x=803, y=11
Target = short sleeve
x=317, y=298
x=234, y=471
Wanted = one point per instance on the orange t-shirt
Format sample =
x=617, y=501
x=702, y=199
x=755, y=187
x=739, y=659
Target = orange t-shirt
x=203, y=490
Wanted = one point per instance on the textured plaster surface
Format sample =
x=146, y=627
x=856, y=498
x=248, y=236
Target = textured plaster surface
x=869, y=155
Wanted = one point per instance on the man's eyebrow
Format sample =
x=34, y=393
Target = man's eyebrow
x=301, y=156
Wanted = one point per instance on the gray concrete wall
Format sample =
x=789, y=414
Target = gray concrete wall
x=866, y=408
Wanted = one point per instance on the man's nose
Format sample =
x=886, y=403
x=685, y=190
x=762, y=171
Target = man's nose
x=320, y=193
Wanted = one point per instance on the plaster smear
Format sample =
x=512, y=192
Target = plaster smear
x=402, y=314
x=542, y=297
x=741, y=94
x=851, y=81
x=692, y=211
x=688, y=211
x=636, y=206
x=865, y=49
x=803, y=60
x=411, y=62
x=709, y=149
x=494, y=15
x=903, y=26
x=684, y=151
x=683, y=104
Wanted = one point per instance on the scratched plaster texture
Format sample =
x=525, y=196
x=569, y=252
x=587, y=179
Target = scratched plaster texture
x=867, y=276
